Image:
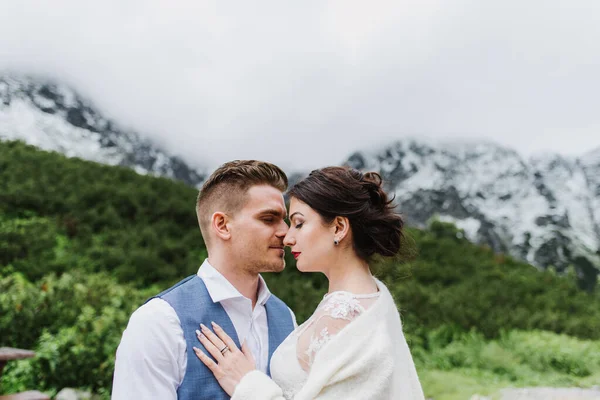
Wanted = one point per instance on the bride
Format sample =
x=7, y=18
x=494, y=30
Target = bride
x=352, y=347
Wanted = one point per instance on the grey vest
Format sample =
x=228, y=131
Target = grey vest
x=192, y=303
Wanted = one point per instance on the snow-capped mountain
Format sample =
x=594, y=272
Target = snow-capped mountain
x=545, y=210
x=54, y=117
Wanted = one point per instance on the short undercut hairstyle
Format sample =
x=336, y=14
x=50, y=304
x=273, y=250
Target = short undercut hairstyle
x=226, y=188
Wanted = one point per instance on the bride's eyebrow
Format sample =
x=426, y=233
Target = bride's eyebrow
x=296, y=213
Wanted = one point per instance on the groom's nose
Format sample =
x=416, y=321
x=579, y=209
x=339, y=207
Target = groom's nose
x=282, y=229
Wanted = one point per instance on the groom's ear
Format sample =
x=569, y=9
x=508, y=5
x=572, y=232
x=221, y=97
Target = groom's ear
x=219, y=224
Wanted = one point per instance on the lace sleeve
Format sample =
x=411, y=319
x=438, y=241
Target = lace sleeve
x=335, y=313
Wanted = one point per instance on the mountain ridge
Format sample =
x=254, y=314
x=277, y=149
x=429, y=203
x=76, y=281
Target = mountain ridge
x=53, y=116
x=545, y=210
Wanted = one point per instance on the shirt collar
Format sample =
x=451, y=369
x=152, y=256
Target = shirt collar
x=219, y=288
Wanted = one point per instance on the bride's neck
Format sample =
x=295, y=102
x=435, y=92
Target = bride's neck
x=351, y=274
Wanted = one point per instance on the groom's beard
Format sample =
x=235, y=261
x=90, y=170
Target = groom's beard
x=272, y=266
x=255, y=256
x=276, y=267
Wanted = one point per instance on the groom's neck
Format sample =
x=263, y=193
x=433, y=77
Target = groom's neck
x=246, y=283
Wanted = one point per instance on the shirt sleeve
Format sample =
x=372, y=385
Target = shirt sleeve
x=151, y=358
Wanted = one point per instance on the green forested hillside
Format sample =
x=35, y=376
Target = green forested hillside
x=82, y=245
x=71, y=213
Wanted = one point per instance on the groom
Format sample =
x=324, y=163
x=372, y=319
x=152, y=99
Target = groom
x=241, y=214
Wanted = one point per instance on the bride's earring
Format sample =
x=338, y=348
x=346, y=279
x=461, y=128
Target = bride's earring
x=336, y=242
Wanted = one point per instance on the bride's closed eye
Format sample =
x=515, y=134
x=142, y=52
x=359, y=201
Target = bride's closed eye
x=299, y=225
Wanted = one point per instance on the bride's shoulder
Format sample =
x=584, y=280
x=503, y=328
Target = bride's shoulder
x=342, y=305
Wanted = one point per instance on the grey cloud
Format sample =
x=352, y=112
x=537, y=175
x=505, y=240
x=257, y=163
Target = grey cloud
x=304, y=84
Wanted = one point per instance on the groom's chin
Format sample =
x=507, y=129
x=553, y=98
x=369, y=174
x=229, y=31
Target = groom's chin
x=276, y=266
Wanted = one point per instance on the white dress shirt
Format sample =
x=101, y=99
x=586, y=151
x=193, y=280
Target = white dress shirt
x=151, y=359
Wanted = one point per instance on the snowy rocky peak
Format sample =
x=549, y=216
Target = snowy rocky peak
x=590, y=162
x=54, y=117
x=545, y=210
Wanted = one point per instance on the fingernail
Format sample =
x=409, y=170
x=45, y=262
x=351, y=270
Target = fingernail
x=214, y=324
x=203, y=326
x=198, y=332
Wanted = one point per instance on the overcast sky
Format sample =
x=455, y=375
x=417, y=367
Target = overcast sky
x=305, y=83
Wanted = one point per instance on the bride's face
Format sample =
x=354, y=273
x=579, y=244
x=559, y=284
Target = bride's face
x=309, y=239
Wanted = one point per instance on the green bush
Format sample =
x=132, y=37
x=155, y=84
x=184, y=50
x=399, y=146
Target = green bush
x=52, y=303
x=544, y=351
x=453, y=282
x=516, y=356
x=74, y=323
x=28, y=245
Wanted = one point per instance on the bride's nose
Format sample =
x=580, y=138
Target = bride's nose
x=288, y=240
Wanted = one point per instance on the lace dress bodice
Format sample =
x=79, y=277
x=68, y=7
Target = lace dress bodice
x=291, y=362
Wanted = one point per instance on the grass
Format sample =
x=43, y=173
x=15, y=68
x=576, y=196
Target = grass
x=468, y=364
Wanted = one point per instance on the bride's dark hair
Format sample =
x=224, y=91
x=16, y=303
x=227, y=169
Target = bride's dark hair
x=347, y=192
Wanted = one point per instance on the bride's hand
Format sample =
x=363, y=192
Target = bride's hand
x=232, y=364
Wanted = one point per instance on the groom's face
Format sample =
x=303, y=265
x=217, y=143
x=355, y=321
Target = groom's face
x=258, y=229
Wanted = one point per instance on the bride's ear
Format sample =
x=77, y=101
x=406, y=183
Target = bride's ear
x=341, y=228
x=219, y=224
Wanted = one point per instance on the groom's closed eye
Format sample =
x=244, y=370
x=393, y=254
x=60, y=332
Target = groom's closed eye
x=271, y=216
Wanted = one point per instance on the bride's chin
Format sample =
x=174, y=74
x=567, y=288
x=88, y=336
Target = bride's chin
x=304, y=269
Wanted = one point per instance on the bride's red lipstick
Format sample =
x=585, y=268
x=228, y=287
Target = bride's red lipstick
x=296, y=254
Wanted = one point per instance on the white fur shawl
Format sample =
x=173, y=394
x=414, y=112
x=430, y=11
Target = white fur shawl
x=369, y=359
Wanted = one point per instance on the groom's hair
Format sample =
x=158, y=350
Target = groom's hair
x=225, y=189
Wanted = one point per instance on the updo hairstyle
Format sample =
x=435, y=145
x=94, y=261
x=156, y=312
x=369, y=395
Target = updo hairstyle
x=347, y=192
